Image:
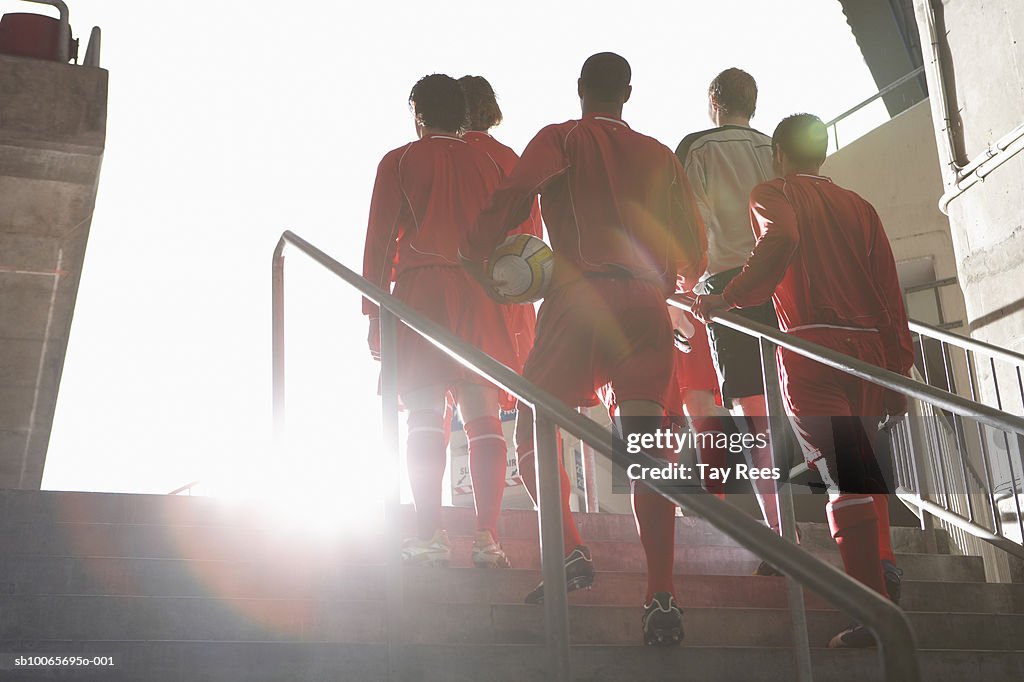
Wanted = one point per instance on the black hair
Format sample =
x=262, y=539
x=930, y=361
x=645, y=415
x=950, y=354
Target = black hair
x=734, y=92
x=803, y=138
x=606, y=75
x=439, y=102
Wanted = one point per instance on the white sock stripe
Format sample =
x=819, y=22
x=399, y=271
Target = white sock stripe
x=528, y=453
x=851, y=502
x=426, y=429
x=486, y=436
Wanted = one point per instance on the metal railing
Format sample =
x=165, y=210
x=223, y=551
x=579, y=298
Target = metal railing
x=878, y=95
x=957, y=482
x=932, y=473
x=187, y=488
x=897, y=648
x=64, y=28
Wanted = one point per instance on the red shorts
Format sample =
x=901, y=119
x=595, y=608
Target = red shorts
x=812, y=389
x=596, y=331
x=824, y=403
x=450, y=297
x=521, y=319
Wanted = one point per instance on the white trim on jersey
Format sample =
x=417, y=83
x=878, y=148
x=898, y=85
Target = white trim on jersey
x=850, y=502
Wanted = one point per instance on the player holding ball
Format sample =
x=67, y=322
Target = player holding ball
x=622, y=223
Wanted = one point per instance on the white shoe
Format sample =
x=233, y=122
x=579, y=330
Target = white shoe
x=437, y=551
x=487, y=553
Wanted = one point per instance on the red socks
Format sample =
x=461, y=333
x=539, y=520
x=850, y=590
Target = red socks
x=425, y=458
x=487, y=466
x=656, y=525
x=528, y=472
x=854, y=523
x=885, y=552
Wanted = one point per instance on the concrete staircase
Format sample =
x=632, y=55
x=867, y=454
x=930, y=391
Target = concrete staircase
x=180, y=588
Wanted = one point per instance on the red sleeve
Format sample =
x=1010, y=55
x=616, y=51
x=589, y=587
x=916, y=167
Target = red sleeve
x=542, y=161
x=688, y=229
x=774, y=220
x=380, y=253
x=899, y=346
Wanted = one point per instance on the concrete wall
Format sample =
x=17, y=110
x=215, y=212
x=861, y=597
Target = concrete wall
x=52, y=132
x=984, y=55
x=896, y=168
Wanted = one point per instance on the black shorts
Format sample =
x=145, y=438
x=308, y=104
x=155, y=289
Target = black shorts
x=736, y=355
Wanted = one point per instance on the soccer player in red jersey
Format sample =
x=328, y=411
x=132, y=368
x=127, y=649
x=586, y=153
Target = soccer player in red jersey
x=482, y=114
x=426, y=195
x=622, y=224
x=823, y=257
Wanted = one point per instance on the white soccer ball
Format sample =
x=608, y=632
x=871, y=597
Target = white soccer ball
x=525, y=264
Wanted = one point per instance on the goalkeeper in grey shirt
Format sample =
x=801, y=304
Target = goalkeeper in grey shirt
x=723, y=165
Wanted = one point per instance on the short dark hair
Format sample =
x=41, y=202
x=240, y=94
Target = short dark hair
x=606, y=75
x=734, y=92
x=482, y=110
x=439, y=101
x=803, y=138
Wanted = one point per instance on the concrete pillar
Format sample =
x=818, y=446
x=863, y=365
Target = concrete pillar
x=52, y=133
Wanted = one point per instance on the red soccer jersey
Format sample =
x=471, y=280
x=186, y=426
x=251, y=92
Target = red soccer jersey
x=824, y=258
x=613, y=200
x=425, y=198
x=506, y=158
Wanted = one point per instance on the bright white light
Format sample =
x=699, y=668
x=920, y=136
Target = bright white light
x=231, y=121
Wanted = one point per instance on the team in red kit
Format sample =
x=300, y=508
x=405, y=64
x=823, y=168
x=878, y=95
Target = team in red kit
x=629, y=229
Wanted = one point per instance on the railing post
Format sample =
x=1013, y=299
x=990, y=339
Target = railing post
x=552, y=545
x=787, y=514
x=277, y=344
x=392, y=502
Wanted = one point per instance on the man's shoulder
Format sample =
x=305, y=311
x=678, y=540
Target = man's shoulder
x=560, y=129
x=394, y=157
x=721, y=135
x=769, y=188
x=652, y=145
x=684, y=146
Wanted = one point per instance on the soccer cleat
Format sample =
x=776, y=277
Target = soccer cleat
x=437, y=551
x=579, y=574
x=853, y=637
x=662, y=621
x=487, y=553
x=893, y=580
x=766, y=569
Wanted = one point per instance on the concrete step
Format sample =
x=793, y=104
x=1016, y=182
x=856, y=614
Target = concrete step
x=52, y=506
x=323, y=661
x=118, y=576
x=220, y=543
x=62, y=536
x=34, y=618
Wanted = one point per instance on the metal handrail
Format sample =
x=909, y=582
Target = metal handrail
x=907, y=386
x=865, y=370
x=188, y=486
x=897, y=648
x=63, y=30
x=967, y=343
x=960, y=513
x=881, y=93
